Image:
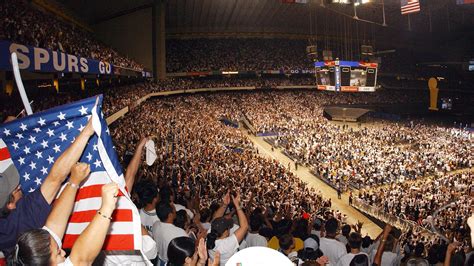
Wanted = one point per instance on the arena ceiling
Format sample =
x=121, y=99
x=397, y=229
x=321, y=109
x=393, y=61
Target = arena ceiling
x=273, y=16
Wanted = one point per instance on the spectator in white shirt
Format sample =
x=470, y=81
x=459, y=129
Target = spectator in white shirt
x=220, y=239
x=253, y=238
x=317, y=225
x=345, y=231
x=355, y=242
x=148, y=198
x=391, y=255
x=330, y=247
x=164, y=231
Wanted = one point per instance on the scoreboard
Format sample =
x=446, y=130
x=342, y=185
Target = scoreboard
x=347, y=76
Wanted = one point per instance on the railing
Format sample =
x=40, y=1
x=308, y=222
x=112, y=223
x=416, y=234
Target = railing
x=380, y=214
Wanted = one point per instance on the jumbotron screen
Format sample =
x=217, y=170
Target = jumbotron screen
x=348, y=76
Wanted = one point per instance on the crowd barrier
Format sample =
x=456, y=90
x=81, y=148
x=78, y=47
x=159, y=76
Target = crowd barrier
x=380, y=214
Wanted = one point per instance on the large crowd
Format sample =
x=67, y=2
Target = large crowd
x=26, y=24
x=419, y=200
x=236, y=54
x=198, y=188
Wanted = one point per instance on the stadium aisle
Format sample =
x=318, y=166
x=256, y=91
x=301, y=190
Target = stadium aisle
x=304, y=174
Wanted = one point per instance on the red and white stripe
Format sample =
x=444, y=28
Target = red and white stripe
x=5, y=157
x=88, y=201
x=411, y=7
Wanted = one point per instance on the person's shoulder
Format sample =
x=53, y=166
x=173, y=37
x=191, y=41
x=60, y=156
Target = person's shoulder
x=34, y=197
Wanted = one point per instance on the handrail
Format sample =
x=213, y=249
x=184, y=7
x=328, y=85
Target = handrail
x=380, y=214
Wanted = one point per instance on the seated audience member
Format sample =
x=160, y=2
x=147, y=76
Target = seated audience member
x=330, y=247
x=355, y=256
x=221, y=240
x=31, y=211
x=164, y=230
x=43, y=246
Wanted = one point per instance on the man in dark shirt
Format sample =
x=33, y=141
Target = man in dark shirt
x=30, y=211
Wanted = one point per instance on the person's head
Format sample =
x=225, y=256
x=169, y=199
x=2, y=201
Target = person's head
x=166, y=194
x=366, y=242
x=13, y=198
x=389, y=244
x=255, y=223
x=181, y=251
x=317, y=224
x=166, y=211
x=301, y=228
x=205, y=215
x=37, y=247
x=345, y=230
x=331, y=226
x=419, y=249
x=360, y=260
x=355, y=240
x=181, y=219
x=312, y=242
x=148, y=195
x=286, y=242
x=219, y=229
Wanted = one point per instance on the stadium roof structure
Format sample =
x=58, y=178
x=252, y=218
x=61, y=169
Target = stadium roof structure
x=274, y=16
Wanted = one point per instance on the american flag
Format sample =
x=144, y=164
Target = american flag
x=464, y=2
x=35, y=142
x=410, y=6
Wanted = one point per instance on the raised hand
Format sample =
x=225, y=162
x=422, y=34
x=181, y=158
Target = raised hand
x=216, y=261
x=387, y=229
x=143, y=141
x=202, y=251
x=323, y=260
x=89, y=130
x=109, y=198
x=236, y=200
x=226, y=199
x=79, y=172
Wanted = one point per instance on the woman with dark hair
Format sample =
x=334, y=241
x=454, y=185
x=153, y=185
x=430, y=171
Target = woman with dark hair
x=220, y=239
x=43, y=246
x=181, y=252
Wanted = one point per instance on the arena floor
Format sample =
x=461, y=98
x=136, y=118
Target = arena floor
x=304, y=174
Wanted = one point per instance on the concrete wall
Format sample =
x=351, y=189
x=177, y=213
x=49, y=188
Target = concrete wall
x=130, y=35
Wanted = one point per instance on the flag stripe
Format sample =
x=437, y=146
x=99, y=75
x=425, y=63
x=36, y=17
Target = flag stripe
x=87, y=216
x=410, y=6
x=116, y=228
x=4, y=154
x=94, y=191
x=94, y=204
x=112, y=242
x=36, y=141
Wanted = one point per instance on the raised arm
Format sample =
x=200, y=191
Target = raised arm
x=243, y=224
x=58, y=218
x=225, y=202
x=132, y=167
x=63, y=164
x=90, y=242
x=380, y=249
